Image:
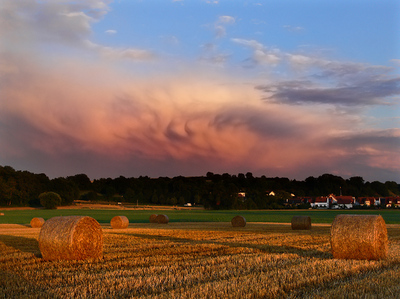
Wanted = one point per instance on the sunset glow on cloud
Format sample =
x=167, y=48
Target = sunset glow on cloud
x=81, y=95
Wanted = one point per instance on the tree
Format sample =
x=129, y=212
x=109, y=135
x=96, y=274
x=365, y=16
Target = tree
x=129, y=195
x=392, y=187
x=66, y=189
x=82, y=181
x=379, y=188
x=50, y=200
x=89, y=196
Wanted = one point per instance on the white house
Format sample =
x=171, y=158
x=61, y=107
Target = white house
x=321, y=202
x=342, y=202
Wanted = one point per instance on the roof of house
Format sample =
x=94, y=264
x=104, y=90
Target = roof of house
x=344, y=199
x=320, y=199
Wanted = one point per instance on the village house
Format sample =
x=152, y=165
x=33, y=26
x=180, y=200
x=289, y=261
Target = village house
x=321, y=202
x=342, y=202
x=241, y=194
x=369, y=201
x=392, y=201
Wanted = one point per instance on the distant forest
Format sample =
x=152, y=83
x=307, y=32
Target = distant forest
x=213, y=191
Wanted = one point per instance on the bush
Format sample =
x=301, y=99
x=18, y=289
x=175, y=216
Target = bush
x=50, y=200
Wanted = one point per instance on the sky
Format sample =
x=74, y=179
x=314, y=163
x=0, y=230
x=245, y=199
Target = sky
x=166, y=88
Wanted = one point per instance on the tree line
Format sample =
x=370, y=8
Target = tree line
x=213, y=191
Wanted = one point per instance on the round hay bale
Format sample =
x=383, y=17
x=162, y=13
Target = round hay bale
x=301, y=222
x=119, y=222
x=1, y=214
x=37, y=222
x=238, y=221
x=153, y=218
x=162, y=219
x=71, y=238
x=361, y=237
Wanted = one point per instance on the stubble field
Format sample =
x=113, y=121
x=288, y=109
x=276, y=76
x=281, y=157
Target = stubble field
x=198, y=260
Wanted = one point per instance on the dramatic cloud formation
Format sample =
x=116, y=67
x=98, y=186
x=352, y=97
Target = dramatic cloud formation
x=105, y=111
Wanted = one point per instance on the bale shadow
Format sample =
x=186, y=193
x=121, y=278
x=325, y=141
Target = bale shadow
x=263, y=248
x=29, y=245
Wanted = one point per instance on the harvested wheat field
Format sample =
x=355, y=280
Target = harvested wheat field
x=198, y=260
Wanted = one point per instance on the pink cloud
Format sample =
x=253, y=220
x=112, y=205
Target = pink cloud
x=88, y=108
x=184, y=118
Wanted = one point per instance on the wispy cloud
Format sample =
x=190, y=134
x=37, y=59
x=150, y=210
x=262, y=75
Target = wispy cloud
x=221, y=24
x=372, y=92
x=261, y=54
x=293, y=28
x=121, y=53
x=322, y=80
x=111, y=32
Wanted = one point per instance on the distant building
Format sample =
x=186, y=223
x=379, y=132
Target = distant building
x=321, y=202
x=342, y=202
x=242, y=196
x=369, y=201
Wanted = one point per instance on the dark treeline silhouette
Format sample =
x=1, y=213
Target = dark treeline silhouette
x=213, y=191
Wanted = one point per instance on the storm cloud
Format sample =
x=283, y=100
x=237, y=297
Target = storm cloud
x=107, y=111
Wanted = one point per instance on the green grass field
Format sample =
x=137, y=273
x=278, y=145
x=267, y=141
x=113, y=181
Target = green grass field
x=142, y=216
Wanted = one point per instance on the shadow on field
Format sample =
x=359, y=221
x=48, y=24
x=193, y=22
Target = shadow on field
x=263, y=248
x=23, y=244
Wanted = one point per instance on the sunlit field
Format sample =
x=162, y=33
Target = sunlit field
x=198, y=260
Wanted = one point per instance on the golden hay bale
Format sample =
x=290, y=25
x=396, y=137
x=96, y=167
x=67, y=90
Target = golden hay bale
x=163, y=219
x=153, y=218
x=238, y=221
x=71, y=238
x=301, y=222
x=119, y=222
x=37, y=222
x=361, y=237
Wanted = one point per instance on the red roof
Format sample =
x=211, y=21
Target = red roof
x=321, y=199
x=342, y=200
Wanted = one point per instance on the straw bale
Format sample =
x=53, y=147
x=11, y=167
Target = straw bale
x=119, y=222
x=37, y=222
x=301, y=222
x=153, y=218
x=71, y=238
x=1, y=214
x=238, y=221
x=162, y=219
x=361, y=237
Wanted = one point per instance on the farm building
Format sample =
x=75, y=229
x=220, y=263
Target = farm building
x=392, y=201
x=342, y=202
x=321, y=202
x=369, y=201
